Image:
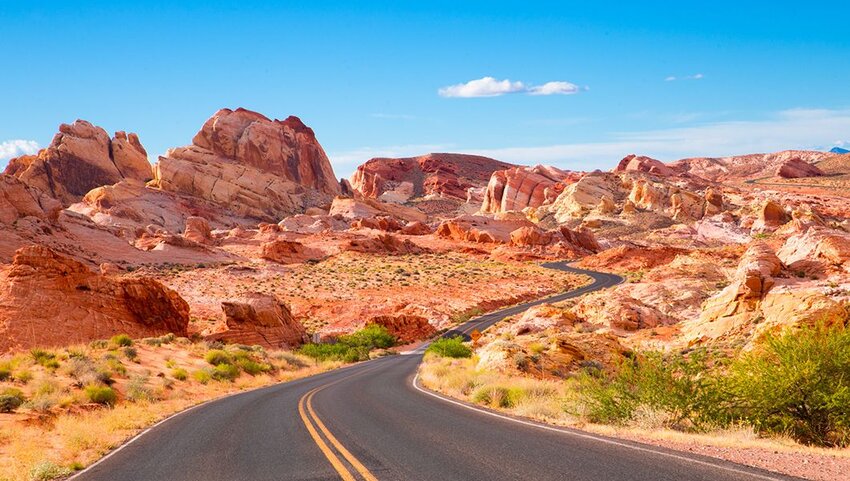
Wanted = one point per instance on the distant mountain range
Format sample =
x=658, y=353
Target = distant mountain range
x=839, y=150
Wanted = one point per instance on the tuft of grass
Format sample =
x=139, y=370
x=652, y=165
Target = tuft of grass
x=48, y=470
x=218, y=357
x=101, y=394
x=225, y=372
x=121, y=340
x=203, y=376
x=179, y=373
x=11, y=399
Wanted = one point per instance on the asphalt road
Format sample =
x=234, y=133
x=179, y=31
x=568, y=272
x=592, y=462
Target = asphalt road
x=370, y=421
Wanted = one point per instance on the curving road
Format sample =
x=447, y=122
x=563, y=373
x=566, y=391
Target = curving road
x=371, y=421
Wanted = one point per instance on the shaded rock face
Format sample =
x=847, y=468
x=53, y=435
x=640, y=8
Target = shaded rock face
x=442, y=175
x=50, y=300
x=260, y=319
x=796, y=167
x=18, y=200
x=383, y=244
x=255, y=167
x=521, y=187
x=80, y=158
x=770, y=216
x=405, y=327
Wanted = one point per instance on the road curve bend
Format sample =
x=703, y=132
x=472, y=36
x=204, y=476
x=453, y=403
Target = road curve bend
x=370, y=421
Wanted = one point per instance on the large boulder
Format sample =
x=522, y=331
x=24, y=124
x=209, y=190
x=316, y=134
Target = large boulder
x=368, y=208
x=80, y=158
x=636, y=163
x=819, y=244
x=47, y=299
x=254, y=166
x=289, y=252
x=796, y=167
x=440, y=175
x=260, y=319
x=477, y=228
x=521, y=187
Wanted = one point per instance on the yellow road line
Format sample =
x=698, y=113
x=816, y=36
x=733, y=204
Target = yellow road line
x=345, y=453
x=334, y=460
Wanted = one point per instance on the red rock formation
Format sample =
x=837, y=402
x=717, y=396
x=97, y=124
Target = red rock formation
x=288, y=252
x=742, y=167
x=405, y=327
x=796, y=167
x=416, y=228
x=619, y=311
x=260, y=319
x=530, y=236
x=256, y=167
x=18, y=200
x=475, y=228
x=818, y=244
x=369, y=208
x=50, y=300
x=383, y=244
x=521, y=187
x=581, y=238
x=641, y=163
x=80, y=158
x=770, y=216
x=444, y=175
x=198, y=230
x=387, y=224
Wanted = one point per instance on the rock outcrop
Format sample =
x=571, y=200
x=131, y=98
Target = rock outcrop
x=770, y=215
x=18, y=200
x=816, y=244
x=521, y=187
x=260, y=319
x=405, y=327
x=796, y=167
x=440, y=175
x=47, y=299
x=636, y=163
x=80, y=158
x=743, y=167
x=476, y=228
x=383, y=244
x=369, y=208
x=289, y=252
x=255, y=167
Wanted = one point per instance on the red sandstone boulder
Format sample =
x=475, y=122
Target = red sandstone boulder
x=405, y=327
x=47, y=299
x=198, y=230
x=289, y=252
x=635, y=163
x=18, y=200
x=530, y=236
x=582, y=238
x=383, y=244
x=416, y=228
x=477, y=228
x=260, y=319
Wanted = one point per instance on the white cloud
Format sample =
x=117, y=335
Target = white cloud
x=483, y=87
x=490, y=87
x=696, y=76
x=788, y=129
x=554, y=88
x=14, y=148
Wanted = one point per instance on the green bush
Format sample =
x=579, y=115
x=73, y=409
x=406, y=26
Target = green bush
x=138, y=389
x=179, y=373
x=450, y=347
x=44, y=358
x=252, y=367
x=11, y=399
x=225, y=372
x=497, y=396
x=217, y=357
x=101, y=394
x=351, y=347
x=203, y=376
x=5, y=371
x=796, y=383
x=121, y=340
x=131, y=353
x=679, y=386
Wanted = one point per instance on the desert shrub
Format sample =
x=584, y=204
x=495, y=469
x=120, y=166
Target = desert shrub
x=291, y=359
x=99, y=344
x=796, y=383
x=351, y=347
x=218, y=357
x=11, y=399
x=450, y=347
x=179, y=373
x=5, y=371
x=44, y=358
x=101, y=394
x=203, y=376
x=47, y=470
x=497, y=396
x=23, y=376
x=138, y=390
x=681, y=387
x=252, y=367
x=371, y=337
x=225, y=372
x=121, y=340
x=131, y=353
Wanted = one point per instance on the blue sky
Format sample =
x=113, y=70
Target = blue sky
x=391, y=78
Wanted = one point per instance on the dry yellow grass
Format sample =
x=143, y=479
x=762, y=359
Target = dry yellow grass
x=57, y=431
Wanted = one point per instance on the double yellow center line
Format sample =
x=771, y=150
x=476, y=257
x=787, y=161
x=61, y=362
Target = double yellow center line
x=312, y=422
